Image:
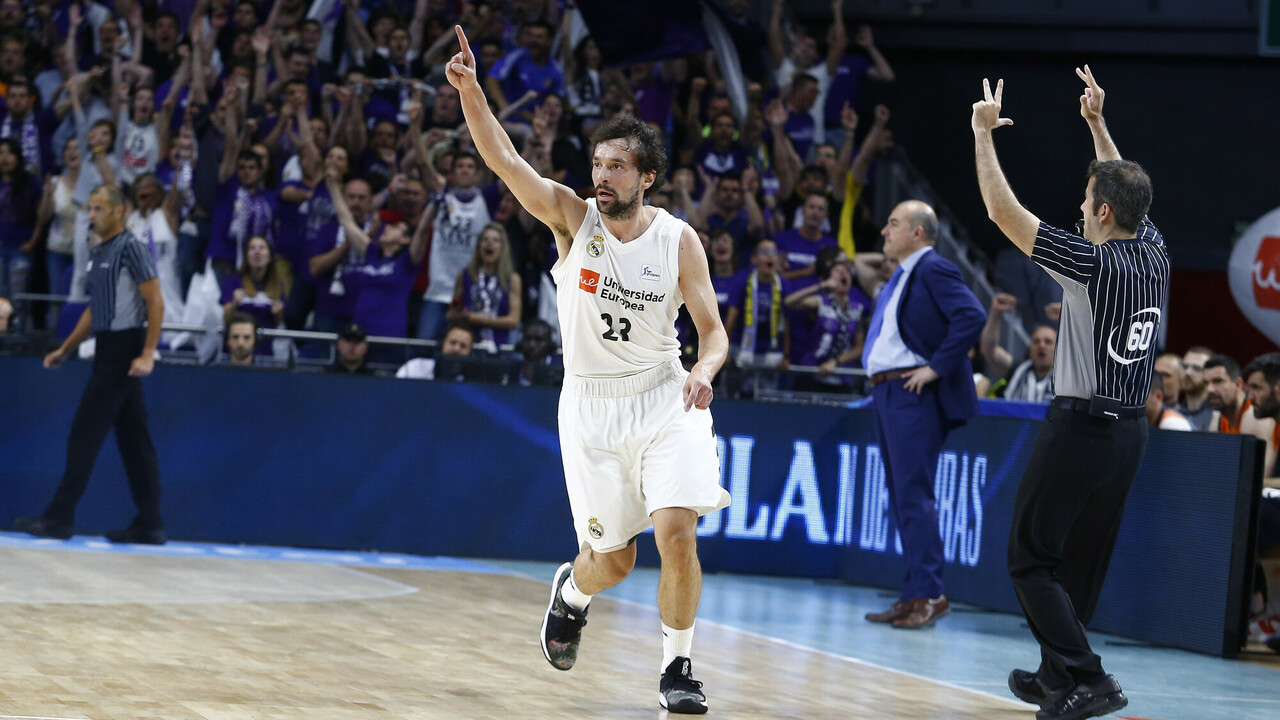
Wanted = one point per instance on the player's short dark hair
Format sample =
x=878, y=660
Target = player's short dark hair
x=1224, y=361
x=1268, y=364
x=1123, y=185
x=645, y=144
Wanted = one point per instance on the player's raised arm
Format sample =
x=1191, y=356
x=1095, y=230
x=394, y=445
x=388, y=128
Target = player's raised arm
x=552, y=203
x=1091, y=111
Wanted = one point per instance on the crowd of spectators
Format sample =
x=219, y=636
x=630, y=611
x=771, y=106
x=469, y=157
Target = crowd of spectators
x=310, y=158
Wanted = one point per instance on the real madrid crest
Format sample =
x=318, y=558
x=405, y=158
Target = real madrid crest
x=595, y=528
x=596, y=247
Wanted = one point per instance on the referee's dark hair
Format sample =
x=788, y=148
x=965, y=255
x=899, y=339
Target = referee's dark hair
x=1123, y=185
x=1268, y=364
x=645, y=143
x=1224, y=361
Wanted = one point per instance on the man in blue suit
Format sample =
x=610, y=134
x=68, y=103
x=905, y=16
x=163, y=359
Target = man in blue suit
x=917, y=362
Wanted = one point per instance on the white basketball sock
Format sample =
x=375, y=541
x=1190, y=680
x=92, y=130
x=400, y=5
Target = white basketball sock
x=675, y=643
x=572, y=596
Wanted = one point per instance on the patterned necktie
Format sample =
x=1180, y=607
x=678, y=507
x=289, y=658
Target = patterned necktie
x=877, y=318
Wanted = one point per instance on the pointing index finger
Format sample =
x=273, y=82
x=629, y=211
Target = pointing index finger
x=462, y=40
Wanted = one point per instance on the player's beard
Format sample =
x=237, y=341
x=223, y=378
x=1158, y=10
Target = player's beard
x=618, y=208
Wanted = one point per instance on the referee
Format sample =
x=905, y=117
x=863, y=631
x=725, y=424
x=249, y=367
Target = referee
x=1115, y=280
x=124, y=292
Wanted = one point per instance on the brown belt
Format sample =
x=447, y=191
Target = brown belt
x=892, y=375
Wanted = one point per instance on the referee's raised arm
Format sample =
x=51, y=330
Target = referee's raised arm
x=1091, y=111
x=1015, y=221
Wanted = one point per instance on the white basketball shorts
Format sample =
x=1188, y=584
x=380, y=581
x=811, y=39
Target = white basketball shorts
x=629, y=448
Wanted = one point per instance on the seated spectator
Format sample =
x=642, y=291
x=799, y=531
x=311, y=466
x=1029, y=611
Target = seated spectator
x=840, y=313
x=261, y=286
x=1160, y=415
x=763, y=339
x=488, y=293
x=1262, y=378
x=6, y=312
x=383, y=280
x=352, y=349
x=1195, y=389
x=1169, y=368
x=539, y=363
x=1030, y=381
x=242, y=337
x=457, y=343
x=1232, y=411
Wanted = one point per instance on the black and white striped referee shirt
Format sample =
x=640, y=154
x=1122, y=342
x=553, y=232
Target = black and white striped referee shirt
x=116, y=268
x=1112, y=295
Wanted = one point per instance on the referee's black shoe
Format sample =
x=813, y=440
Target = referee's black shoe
x=38, y=526
x=1026, y=686
x=1087, y=700
x=562, y=626
x=138, y=536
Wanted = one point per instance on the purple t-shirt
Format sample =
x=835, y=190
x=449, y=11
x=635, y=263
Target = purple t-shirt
x=382, y=287
x=762, y=310
x=729, y=291
x=257, y=305
x=238, y=214
x=834, y=329
x=800, y=253
x=291, y=229
x=335, y=294
x=486, y=296
x=845, y=87
x=18, y=212
x=802, y=130
x=718, y=163
x=318, y=214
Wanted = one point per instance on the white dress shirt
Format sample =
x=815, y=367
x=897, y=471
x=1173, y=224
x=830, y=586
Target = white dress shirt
x=889, y=351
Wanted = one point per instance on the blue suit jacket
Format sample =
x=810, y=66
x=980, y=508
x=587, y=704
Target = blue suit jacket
x=940, y=319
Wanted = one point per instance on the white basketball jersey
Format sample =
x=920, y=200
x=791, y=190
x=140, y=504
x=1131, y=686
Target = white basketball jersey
x=618, y=301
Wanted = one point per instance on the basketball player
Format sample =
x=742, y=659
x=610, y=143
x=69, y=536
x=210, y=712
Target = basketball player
x=635, y=432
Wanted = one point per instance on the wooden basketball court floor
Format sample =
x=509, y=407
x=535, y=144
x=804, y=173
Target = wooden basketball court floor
x=196, y=632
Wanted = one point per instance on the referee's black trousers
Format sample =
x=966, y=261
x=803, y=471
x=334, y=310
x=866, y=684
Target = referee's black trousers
x=111, y=399
x=1065, y=521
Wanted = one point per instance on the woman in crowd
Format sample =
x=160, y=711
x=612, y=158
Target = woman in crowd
x=260, y=288
x=59, y=210
x=487, y=294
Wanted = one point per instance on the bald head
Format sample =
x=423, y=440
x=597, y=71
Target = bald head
x=920, y=215
x=912, y=225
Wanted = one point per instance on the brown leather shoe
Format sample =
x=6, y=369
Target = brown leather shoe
x=924, y=612
x=897, y=611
